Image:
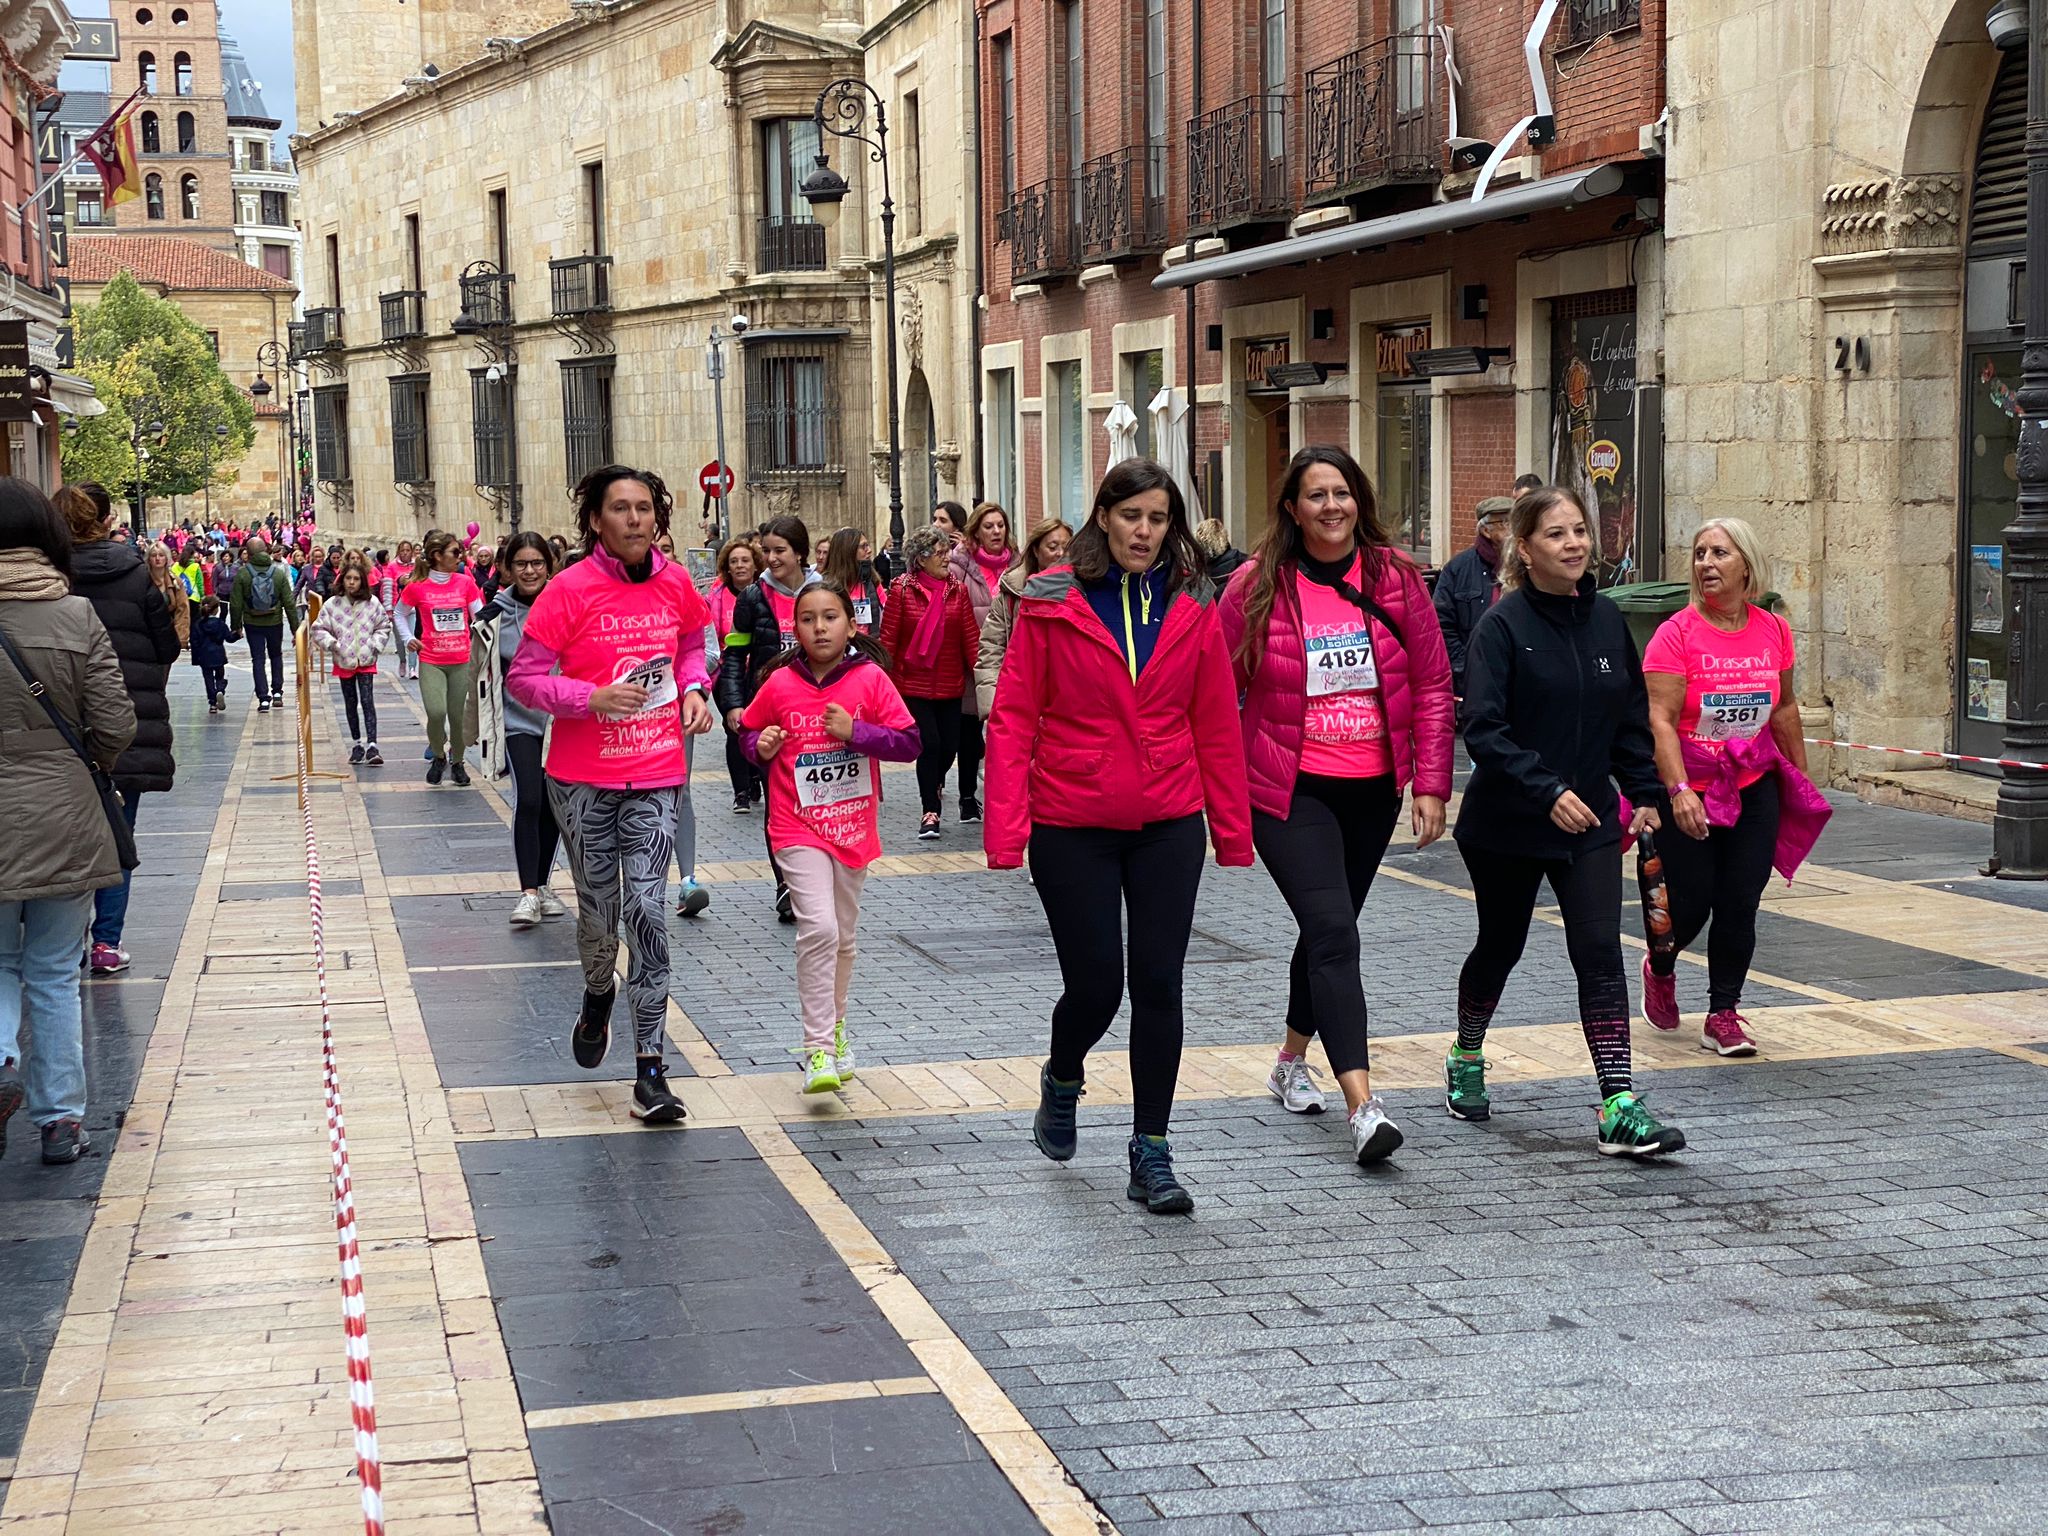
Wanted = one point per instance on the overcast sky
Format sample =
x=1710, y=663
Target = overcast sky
x=262, y=27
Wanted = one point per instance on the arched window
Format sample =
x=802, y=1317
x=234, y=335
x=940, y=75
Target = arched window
x=153, y=195
x=188, y=134
x=179, y=17
x=152, y=134
x=145, y=69
x=182, y=69
x=144, y=17
x=188, y=196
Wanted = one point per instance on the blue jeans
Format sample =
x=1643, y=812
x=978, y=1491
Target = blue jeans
x=40, y=942
x=110, y=903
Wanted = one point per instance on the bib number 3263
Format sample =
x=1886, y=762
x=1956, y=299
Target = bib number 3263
x=1341, y=663
x=1733, y=716
x=831, y=778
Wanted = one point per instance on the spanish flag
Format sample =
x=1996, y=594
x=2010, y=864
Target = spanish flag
x=111, y=149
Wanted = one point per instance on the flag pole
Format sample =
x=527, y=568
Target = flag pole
x=77, y=155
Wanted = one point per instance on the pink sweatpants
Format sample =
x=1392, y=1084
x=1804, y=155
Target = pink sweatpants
x=826, y=896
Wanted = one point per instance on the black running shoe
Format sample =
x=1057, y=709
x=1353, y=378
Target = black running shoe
x=459, y=773
x=1052, y=1128
x=970, y=808
x=1152, y=1179
x=592, y=1036
x=653, y=1102
x=742, y=805
x=785, y=905
x=435, y=768
x=64, y=1142
x=355, y=754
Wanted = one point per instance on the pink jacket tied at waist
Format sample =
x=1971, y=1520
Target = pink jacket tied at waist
x=1803, y=811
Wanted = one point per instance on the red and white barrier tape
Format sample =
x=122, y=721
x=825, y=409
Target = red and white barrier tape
x=1946, y=757
x=362, y=1401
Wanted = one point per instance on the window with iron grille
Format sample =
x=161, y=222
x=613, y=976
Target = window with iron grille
x=330, y=434
x=587, y=415
x=409, y=429
x=1585, y=20
x=793, y=409
x=491, y=426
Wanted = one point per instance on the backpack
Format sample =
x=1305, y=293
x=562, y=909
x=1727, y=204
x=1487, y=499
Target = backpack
x=262, y=590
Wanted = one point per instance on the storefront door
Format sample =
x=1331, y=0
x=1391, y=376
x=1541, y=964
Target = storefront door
x=1593, y=440
x=1990, y=499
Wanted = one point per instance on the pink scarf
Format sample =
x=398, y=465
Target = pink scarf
x=923, y=649
x=992, y=565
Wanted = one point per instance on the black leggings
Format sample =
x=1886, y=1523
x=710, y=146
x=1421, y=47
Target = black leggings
x=534, y=834
x=1088, y=878
x=359, y=698
x=1723, y=878
x=743, y=773
x=1588, y=891
x=1323, y=857
x=938, y=724
x=971, y=754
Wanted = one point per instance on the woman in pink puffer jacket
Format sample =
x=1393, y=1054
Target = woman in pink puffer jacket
x=1346, y=704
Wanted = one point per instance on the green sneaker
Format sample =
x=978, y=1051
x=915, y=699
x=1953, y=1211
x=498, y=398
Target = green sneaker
x=818, y=1074
x=1628, y=1129
x=842, y=1052
x=1465, y=1086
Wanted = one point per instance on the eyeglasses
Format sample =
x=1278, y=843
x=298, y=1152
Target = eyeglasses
x=529, y=565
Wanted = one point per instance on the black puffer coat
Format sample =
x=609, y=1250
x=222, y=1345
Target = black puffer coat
x=115, y=579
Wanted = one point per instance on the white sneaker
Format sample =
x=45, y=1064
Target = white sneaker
x=1294, y=1085
x=1373, y=1135
x=551, y=905
x=527, y=911
x=842, y=1053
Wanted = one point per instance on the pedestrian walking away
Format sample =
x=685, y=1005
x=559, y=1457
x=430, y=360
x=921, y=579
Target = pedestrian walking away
x=980, y=560
x=261, y=606
x=1732, y=756
x=113, y=577
x=1346, y=705
x=1469, y=584
x=613, y=650
x=929, y=632
x=824, y=714
x=1555, y=714
x=434, y=615
x=1212, y=537
x=1046, y=547
x=738, y=565
x=210, y=654
x=510, y=734
x=60, y=851
x=351, y=628
x=1115, y=729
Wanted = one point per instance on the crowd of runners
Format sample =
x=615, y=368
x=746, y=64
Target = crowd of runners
x=1113, y=704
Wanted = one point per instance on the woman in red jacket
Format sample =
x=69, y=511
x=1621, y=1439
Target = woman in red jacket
x=928, y=629
x=1347, y=703
x=1114, y=729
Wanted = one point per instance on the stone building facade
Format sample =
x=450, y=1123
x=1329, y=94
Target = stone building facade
x=613, y=184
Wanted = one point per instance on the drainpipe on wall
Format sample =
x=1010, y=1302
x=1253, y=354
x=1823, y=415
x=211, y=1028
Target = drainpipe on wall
x=974, y=321
x=1194, y=113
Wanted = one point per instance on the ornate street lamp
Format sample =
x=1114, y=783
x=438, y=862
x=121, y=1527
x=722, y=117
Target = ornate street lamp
x=277, y=357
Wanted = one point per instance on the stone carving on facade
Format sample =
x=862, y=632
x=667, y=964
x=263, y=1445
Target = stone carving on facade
x=879, y=456
x=1892, y=213
x=785, y=501
x=910, y=317
x=946, y=457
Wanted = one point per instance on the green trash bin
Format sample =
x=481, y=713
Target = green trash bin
x=1646, y=604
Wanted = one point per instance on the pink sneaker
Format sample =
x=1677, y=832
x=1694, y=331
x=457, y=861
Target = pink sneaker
x=107, y=960
x=1727, y=1034
x=1660, y=998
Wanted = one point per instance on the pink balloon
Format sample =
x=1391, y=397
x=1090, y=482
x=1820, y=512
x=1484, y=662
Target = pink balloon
x=474, y=530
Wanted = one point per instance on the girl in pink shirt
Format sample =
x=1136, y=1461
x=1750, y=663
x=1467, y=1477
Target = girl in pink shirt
x=434, y=614
x=738, y=564
x=824, y=714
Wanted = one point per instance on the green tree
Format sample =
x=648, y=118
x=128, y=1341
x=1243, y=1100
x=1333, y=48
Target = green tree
x=151, y=365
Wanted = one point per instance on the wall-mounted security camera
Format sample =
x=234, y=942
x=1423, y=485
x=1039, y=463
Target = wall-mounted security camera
x=740, y=324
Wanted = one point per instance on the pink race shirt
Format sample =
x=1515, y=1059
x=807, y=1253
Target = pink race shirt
x=1344, y=730
x=1732, y=678
x=607, y=631
x=441, y=617
x=821, y=792
x=723, y=600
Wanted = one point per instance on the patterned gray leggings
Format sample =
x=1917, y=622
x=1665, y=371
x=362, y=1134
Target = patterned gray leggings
x=619, y=842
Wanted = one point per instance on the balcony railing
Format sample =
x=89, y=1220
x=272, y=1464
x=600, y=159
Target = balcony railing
x=1237, y=164
x=1045, y=236
x=1123, y=203
x=295, y=340
x=580, y=285
x=1374, y=119
x=790, y=243
x=487, y=298
x=323, y=331
x=403, y=315
x=1585, y=20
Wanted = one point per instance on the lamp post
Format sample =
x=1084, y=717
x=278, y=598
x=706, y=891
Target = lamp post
x=213, y=446
x=843, y=110
x=275, y=357
x=138, y=509
x=486, y=318
x=2020, y=831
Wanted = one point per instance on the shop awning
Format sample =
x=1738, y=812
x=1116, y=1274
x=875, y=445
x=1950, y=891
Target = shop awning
x=1343, y=239
x=75, y=396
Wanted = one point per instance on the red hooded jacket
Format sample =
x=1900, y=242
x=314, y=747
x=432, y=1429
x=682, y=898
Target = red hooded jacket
x=1073, y=742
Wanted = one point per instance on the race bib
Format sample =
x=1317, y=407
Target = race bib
x=658, y=676
x=448, y=621
x=831, y=777
x=863, y=612
x=1341, y=663
x=1732, y=716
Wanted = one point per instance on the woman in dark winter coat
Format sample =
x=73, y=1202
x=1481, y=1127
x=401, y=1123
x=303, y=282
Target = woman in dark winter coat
x=114, y=578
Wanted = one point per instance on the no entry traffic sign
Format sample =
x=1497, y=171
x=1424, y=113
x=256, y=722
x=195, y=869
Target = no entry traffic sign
x=715, y=479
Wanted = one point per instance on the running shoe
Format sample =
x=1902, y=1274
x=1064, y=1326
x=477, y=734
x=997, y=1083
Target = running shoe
x=64, y=1142
x=1465, y=1086
x=436, y=766
x=1295, y=1086
x=741, y=805
x=819, y=1075
x=263, y=706
x=1152, y=1179
x=1628, y=1129
x=277, y=699
x=842, y=1052
x=1373, y=1135
x=459, y=772
x=1727, y=1034
x=654, y=1103
x=108, y=960
x=928, y=827
x=355, y=754
x=1052, y=1128
x=592, y=1035
x=694, y=900
x=785, y=905
x=11, y=1095
x=1660, y=998
x=551, y=905
x=373, y=757
x=970, y=808
x=526, y=910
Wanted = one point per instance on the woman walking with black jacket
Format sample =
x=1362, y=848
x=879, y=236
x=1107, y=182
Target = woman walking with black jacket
x=1555, y=713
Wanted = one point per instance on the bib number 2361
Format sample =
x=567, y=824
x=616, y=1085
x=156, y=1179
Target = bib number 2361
x=1733, y=716
x=831, y=778
x=1341, y=663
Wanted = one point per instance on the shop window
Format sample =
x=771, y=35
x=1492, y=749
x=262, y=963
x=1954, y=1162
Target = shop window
x=1402, y=453
x=1144, y=375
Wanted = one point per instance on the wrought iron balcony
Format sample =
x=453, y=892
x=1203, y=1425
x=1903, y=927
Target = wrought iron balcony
x=323, y=331
x=403, y=314
x=580, y=285
x=487, y=300
x=1375, y=119
x=1123, y=203
x=1586, y=20
x=1045, y=235
x=1238, y=164
x=790, y=242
